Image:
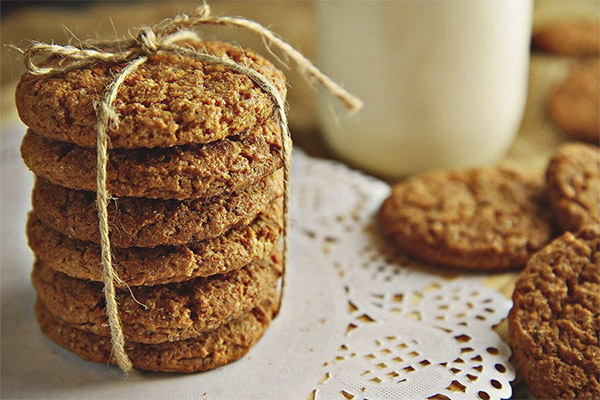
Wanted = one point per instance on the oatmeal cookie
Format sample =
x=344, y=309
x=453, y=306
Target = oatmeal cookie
x=554, y=324
x=210, y=350
x=162, y=313
x=170, y=100
x=184, y=172
x=488, y=219
x=151, y=222
x=138, y=266
x=575, y=104
x=568, y=38
x=573, y=179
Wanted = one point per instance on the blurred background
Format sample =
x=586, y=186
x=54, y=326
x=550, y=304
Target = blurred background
x=295, y=21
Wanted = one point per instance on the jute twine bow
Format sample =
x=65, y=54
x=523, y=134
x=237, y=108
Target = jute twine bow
x=162, y=38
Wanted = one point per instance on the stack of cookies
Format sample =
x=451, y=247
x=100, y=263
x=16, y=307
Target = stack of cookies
x=195, y=176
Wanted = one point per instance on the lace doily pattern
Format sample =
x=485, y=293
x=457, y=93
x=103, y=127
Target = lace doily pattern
x=408, y=330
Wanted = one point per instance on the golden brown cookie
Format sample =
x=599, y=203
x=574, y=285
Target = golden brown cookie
x=568, y=38
x=150, y=222
x=489, y=219
x=190, y=171
x=573, y=179
x=137, y=266
x=555, y=320
x=210, y=350
x=168, y=101
x=163, y=313
x=575, y=105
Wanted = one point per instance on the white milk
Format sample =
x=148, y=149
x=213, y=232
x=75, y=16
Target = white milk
x=444, y=82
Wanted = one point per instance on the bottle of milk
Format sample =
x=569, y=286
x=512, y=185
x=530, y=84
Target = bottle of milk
x=444, y=82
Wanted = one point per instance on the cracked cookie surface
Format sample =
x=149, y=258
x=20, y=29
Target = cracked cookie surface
x=138, y=266
x=144, y=222
x=554, y=324
x=170, y=100
x=484, y=218
x=212, y=349
x=183, y=172
x=163, y=313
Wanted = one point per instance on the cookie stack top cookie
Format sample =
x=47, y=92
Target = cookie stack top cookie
x=170, y=100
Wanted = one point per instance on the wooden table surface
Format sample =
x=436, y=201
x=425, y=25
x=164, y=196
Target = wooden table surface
x=537, y=140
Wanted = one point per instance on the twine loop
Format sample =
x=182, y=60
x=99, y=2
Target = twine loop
x=135, y=51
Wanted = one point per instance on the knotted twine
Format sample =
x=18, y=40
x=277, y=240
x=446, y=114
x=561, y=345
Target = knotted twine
x=135, y=51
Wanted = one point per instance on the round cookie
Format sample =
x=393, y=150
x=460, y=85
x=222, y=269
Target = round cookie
x=163, y=313
x=137, y=266
x=170, y=100
x=554, y=324
x=484, y=219
x=150, y=222
x=573, y=180
x=577, y=38
x=575, y=104
x=191, y=171
x=210, y=350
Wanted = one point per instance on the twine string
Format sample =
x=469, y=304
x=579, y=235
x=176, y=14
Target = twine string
x=107, y=117
x=135, y=52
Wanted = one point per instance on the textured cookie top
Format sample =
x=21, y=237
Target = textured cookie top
x=480, y=218
x=170, y=100
x=162, y=313
x=150, y=222
x=555, y=319
x=190, y=171
x=569, y=38
x=575, y=104
x=137, y=266
x=573, y=179
x=212, y=349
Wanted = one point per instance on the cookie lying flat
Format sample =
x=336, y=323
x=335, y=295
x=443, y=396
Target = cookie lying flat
x=176, y=311
x=573, y=179
x=575, y=105
x=169, y=101
x=488, y=219
x=163, y=264
x=191, y=171
x=212, y=349
x=150, y=222
x=554, y=323
x=568, y=38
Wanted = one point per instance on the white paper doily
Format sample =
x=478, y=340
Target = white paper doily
x=408, y=331
x=359, y=320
